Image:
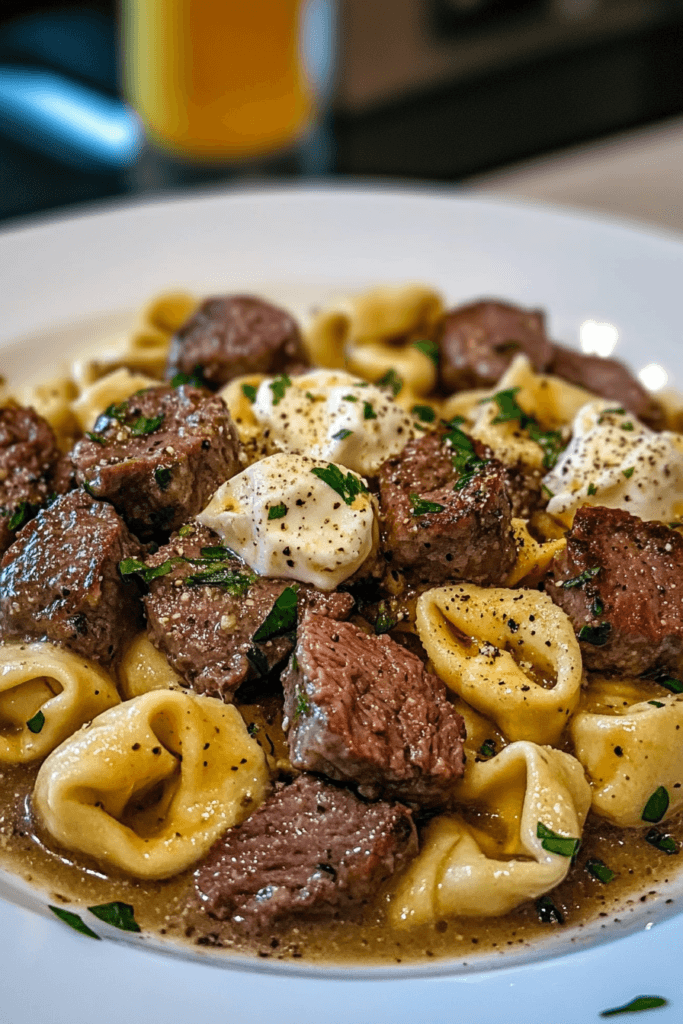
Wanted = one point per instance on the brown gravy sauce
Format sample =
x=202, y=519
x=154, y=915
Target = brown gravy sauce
x=170, y=908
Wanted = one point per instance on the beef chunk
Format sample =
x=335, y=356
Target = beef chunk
x=159, y=456
x=29, y=459
x=362, y=709
x=478, y=342
x=236, y=334
x=608, y=378
x=205, y=627
x=60, y=579
x=311, y=849
x=470, y=538
x=629, y=614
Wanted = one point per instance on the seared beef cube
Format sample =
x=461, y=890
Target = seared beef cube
x=467, y=534
x=29, y=458
x=159, y=456
x=236, y=334
x=620, y=581
x=203, y=614
x=60, y=579
x=311, y=849
x=360, y=708
x=478, y=342
x=608, y=378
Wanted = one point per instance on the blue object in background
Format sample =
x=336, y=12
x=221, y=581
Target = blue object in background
x=66, y=120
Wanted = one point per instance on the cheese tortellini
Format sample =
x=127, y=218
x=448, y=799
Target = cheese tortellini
x=152, y=783
x=489, y=859
x=46, y=693
x=630, y=745
x=511, y=654
x=144, y=668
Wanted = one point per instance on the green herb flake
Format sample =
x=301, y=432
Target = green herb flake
x=392, y=381
x=385, y=620
x=146, y=425
x=547, y=493
x=368, y=411
x=420, y=507
x=350, y=398
x=215, y=554
x=302, y=706
x=120, y=915
x=36, y=723
x=163, y=475
x=116, y=411
x=616, y=411
x=130, y=566
x=584, y=577
x=424, y=413
x=88, y=488
x=249, y=392
x=253, y=728
x=21, y=515
x=675, y=526
x=97, y=438
x=509, y=409
x=428, y=348
x=310, y=396
x=596, y=635
x=278, y=386
x=488, y=748
x=662, y=841
x=464, y=457
x=348, y=486
x=342, y=434
x=548, y=912
x=195, y=379
x=636, y=1006
x=597, y=608
x=282, y=617
x=592, y=490
x=657, y=806
x=628, y=473
x=186, y=531
x=224, y=576
x=565, y=846
x=74, y=921
x=656, y=703
x=675, y=685
x=599, y=870
x=627, y=426
x=277, y=511
x=508, y=406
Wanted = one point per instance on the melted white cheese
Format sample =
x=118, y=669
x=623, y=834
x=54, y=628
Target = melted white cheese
x=615, y=461
x=285, y=521
x=332, y=415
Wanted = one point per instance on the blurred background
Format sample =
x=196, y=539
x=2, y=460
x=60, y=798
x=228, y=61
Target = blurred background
x=568, y=100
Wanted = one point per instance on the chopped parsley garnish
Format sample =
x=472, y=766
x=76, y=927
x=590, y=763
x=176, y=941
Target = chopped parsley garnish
x=420, y=507
x=342, y=434
x=464, y=457
x=617, y=411
x=592, y=489
x=675, y=685
x=424, y=413
x=584, y=577
x=146, y=425
x=278, y=386
x=215, y=554
x=186, y=531
x=628, y=473
x=249, y=391
x=117, y=411
x=350, y=398
x=74, y=921
x=348, y=486
x=548, y=912
x=302, y=706
x=163, y=475
x=565, y=846
x=656, y=703
x=596, y=635
x=120, y=915
x=599, y=870
x=130, y=566
x=657, y=806
x=509, y=409
x=429, y=348
x=21, y=515
x=488, y=748
x=282, y=617
x=675, y=526
x=627, y=426
x=392, y=381
x=547, y=493
x=384, y=621
x=597, y=608
x=253, y=728
x=97, y=438
x=661, y=841
x=277, y=511
x=219, y=575
x=36, y=723
x=368, y=411
x=636, y=1005
x=309, y=396
x=195, y=379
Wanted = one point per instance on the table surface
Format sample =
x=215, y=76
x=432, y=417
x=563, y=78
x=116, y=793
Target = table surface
x=636, y=174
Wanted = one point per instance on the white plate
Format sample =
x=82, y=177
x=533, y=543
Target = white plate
x=65, y=283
